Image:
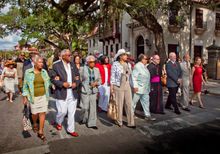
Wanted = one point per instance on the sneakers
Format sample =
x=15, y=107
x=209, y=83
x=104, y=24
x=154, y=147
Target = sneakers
x=149, y=118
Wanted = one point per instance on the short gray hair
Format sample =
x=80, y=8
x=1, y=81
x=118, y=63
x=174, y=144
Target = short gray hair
x=64, y=51
x=89, y=58
x=36, y=58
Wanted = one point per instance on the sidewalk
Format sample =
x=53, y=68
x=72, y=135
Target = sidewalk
x=213, y=87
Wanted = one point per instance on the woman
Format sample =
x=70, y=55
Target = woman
x=36, y=91
x=104, y=88
x=197, y=79
x=120, y=87
x=90, y=81
x=77, y=62
x=9, y=77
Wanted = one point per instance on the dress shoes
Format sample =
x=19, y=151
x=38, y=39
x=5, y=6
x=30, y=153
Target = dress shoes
x=168, y=107
x=59, y=127
x=93, y=127
x=186, y=109
x=74, y=134
x=149, y=118
x=133, y=127
x=177, y=112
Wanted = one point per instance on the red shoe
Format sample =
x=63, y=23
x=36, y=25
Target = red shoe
x=74, y=134
x=58, y=127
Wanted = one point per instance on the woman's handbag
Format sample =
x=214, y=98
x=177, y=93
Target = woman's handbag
x=112, y=109
x=164, y=80
x=26, y=120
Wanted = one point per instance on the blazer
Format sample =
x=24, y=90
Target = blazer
x=186, y=73
x=59, y=71
x=174, y=73
x=116, y=73
x=86, y=88
x=141, y=78
x=102, y=72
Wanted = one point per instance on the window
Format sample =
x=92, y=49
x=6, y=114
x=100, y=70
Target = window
x=93, y=42
x=199, y=18
x=198, y=51
x=111, y=48
x=106, y=50
x=173, y=48
x=116, y=47
x=217, y=21
x=173, y=13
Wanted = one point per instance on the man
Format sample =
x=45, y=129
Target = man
x=66, y=79
x=20, y=62
x=141, y=85
x=174, y=75
x=186, y=78
x=91, y=79
x=156, y=93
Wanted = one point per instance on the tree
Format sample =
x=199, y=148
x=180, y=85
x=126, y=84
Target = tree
x=37, y=19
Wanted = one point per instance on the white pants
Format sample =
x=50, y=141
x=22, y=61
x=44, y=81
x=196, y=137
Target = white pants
x=64, y=107
x=104, y=91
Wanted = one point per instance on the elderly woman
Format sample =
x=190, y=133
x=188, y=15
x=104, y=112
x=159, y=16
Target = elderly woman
x=36, y=92
x=9, y=77
x=90, y=81
x=120, y=87
x=104, y=89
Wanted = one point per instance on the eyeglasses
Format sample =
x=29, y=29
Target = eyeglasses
x=91, y=62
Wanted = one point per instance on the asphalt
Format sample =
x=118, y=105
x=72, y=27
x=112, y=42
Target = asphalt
x=194, y=132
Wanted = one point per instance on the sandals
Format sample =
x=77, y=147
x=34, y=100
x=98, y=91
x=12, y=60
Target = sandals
x=35, y=128
x=41, y=136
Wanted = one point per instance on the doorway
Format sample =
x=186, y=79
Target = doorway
x=140, y=45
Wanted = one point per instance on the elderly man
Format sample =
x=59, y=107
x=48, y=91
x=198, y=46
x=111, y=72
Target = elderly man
x=91, y=79
x=141, y=85
x=186, y=77
x=66, y=80
x=174, y=75
x=156, y=93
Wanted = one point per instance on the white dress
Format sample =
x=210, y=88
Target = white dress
x=9, y=83
x=104, y=91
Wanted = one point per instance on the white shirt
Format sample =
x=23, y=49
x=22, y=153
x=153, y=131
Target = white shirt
x=106, y=76
x=69, y=78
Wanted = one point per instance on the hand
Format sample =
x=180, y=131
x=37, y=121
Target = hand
x=25, y=100
x=77, y=78
x=66, y=85
x=57, y=78
x=111, y=90
x=74, y=85
x=135, y=90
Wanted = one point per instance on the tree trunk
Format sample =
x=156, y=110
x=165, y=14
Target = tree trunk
x=160, y=45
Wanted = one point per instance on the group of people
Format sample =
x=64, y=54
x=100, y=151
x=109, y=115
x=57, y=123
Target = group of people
x=90, y=86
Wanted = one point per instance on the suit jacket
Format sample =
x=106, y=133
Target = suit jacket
x=86, y=88
x=59, y=70
x=186, y=73
x=173, y=74
x=141, y=78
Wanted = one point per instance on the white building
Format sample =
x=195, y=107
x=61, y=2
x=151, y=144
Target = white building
x=201, y=28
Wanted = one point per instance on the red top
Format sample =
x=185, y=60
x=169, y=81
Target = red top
x=102, y=71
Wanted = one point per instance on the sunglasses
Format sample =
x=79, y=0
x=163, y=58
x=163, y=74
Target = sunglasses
x=92, y=62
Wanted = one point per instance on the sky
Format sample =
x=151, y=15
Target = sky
x=10, y=41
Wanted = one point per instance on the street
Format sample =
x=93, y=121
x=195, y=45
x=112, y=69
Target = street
x=197, y=131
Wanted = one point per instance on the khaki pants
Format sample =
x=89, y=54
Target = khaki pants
x=124, y=97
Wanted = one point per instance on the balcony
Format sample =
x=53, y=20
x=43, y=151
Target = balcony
x=108, y=34
x=200, y=28
x=174, y=28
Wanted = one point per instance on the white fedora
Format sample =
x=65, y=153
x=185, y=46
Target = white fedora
x=121, y=52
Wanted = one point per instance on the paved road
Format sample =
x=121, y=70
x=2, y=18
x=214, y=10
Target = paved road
x=196, y=131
